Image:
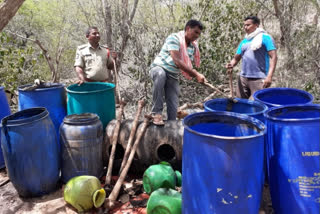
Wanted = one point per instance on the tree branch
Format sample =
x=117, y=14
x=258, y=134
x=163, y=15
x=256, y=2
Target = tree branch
x=45, y=53
x=7, y=10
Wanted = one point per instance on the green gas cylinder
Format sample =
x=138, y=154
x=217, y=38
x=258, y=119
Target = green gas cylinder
x=165, y=201
x=160, y=176
x=84, y=192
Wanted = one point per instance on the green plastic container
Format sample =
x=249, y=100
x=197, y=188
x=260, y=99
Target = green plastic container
x=159, y=176
x=164, y=201
x=84, y=192
x=92, y=97
x=178, y=178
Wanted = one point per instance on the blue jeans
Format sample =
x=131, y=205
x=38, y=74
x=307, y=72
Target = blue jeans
x=166, y=87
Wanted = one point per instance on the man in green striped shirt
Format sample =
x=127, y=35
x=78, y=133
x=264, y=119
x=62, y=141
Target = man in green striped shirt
x=176, y=57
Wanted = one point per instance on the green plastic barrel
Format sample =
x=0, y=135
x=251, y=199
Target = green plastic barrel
x=92, y=97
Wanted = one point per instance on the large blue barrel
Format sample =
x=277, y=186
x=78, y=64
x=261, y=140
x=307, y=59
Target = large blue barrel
x=92, y=97
x=273, y=97
x=52, y=96
x=81, y=137
x=4, y=111
x=30, y=149
x=294, y=158
x=242, y=106
x=222, y=163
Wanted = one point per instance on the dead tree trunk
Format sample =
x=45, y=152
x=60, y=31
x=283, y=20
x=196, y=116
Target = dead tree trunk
x=7, y=10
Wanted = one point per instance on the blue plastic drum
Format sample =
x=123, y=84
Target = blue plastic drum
x=4, y=111
x=52, y=96
x=273, y=97
x=31, y=152
x=222, y=163
x=294, y=158
x=242, y=106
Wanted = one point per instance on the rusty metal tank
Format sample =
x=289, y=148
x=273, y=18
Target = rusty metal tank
x=159, y=143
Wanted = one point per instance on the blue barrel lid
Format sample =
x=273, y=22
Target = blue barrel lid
x=90, y=87
x=78, y=119
x=229, y=117
x=294, y=113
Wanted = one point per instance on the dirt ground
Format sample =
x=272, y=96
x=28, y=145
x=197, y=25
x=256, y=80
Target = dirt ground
x=11, y=203
x=53, y=203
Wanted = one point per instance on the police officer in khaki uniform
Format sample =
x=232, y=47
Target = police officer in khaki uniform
x=93, y=60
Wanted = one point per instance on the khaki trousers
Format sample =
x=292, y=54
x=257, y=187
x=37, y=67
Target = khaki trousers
x=246, y=87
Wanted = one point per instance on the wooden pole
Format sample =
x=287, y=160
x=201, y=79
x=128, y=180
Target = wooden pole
x=214, y=88
x=117, y=90
x=141, y=104
x=114, y=142
x=230, y=83
x=115, y=192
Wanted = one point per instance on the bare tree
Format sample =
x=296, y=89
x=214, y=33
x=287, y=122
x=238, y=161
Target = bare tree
x=7, y=10
x=126, y=24
x=107, y=17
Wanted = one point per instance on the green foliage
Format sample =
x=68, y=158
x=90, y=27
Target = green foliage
x=18, y=63
x=61, y=24
x=223, y=32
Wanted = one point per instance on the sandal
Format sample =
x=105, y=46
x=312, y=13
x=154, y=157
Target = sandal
x=157, y=120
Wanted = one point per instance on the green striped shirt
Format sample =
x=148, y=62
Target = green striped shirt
x=164, y=59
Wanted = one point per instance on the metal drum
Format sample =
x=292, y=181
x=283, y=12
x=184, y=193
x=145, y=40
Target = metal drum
x=81, y=137
x=158, y=144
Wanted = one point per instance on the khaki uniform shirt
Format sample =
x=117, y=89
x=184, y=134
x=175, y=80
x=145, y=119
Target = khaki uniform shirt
x=94, y=62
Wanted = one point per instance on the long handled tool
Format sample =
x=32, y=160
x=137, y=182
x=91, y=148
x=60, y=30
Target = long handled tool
x=114, y=142
x=141, y=104
x=115, y=192
x=214, y=88
x=231, y=101
x=117, y=90
x=230, y=83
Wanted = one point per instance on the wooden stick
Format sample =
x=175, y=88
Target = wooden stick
x=115, y=192
x=191, y=105
x=117, y=90
x=141, y=104
x=210, y=96
x=114, y=142
x=214, y=88
x=182, y=114
x=4, y=182
x=231, y=83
